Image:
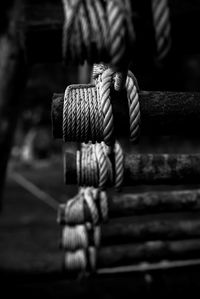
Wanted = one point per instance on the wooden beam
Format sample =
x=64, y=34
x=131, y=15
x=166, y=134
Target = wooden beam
x=147, y=168
x=147, y=228
x=155, y=202
x=128, y=254
x=45, y=21
x=12, y=78
x=162, y=113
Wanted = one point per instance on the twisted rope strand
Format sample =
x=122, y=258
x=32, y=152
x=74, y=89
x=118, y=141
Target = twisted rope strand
x=106, y=106
x=134, y=107
x=119, y=165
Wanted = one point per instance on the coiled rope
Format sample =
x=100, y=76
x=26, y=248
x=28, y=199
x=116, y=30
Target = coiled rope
x=81, y=260
x=89, y=205
x=82, y=115
x=95, y=166
x=161, y=20
x=98, y=31
x=80, y=237
x=87, y=110
x=81, y=233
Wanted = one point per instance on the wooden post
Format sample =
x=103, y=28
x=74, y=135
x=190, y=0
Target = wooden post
x=12, y=77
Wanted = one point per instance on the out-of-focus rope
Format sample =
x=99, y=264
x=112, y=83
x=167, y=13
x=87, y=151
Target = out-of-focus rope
x=98, y=31
x=162, y=27
x=89, y=205
x=96, y=168
x=81, y=234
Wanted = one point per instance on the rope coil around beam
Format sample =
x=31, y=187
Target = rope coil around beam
x=82, y=116
x=81, y=260
x=89, y=205
x=162, y=27
x=87, y=109
x=81, y=232
x=96, y=167
x=80, y=236
x=98, y=31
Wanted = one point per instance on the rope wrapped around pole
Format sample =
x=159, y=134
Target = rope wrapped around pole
x=87, y=109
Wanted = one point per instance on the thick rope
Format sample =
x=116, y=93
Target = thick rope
x=106, y=76
x=87, y=110
x=161, y=20
x=98, y=31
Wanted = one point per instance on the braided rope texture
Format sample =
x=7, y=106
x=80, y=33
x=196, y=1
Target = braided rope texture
x=161, y=20
x=98, y=31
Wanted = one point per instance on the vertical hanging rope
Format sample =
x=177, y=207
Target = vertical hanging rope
x=98, y=31
x=162, y=27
